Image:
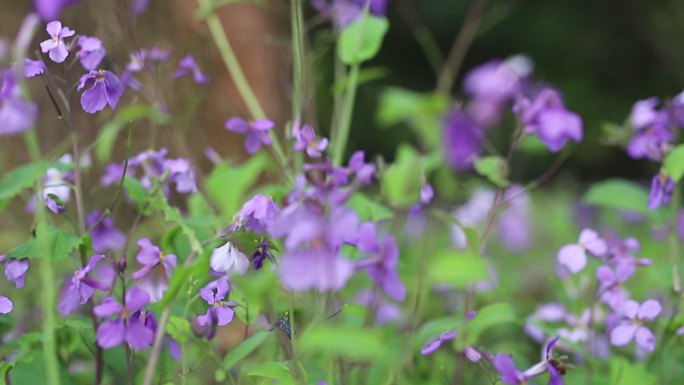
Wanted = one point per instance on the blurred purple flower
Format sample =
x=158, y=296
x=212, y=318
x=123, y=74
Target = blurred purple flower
x=463, y=140
x=345, y=12
x=104, y=89
x=91, y=53
x=157, y=268
x=257, y=214
x=633, y=327
x=644, y=113
x=256, y=131
x=426, y=193
x=105, y=236
x=182, y=174
x=546, y=116
x=381, y=266
x=55, y=47
x=124, y=328
x=49, y=10
x=220, y=312
x=261, y=254
x=16, y=114
x=188, y=65
x=510, y=375
x=79, y=288
x=662, y=187
x=138, y=7
x=574, y=256
x=33, y=68
x=15, y=271
x=385, y=311
x=436, y=343
x=6, y=305
x=305, y=139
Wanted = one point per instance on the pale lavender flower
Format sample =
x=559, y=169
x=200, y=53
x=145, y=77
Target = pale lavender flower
x=305, y=140
x=124, y=328
x=6, y=305
x=436, y=343
x=220, y=312
x=105, y=236
x=256, y=132
x=345, y=12
x=55, y=47
x=381, y=266
x=33, y=68
x=662, y=187
x=188, y=65
x=426, y=193
x=632, y=328
x=55, y=186
x=79, y=288
x=182, y=174
x=228, y=260
x=91, y=53
x=103, y=89
x=644, y=113
x=16, y=114
x=157, y=268
x=574, y=256
x=15, y=271
x=257, y=214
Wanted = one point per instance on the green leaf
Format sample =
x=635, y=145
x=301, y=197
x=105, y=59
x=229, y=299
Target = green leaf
x=421, y=111
x=182, y=276
x=624, y=372
x=273, y=370
x=244, y=349
x=227, y=185
x=487, y=317
x=357, y=344
x=494, y=168
x=58, y=242
x=22, y=178
x=367, y=209
x=361, y=40
x=618, y=194
x=139, y=194
x=401, y=181
x=673, y=164
x=110, y=131
x=179, y=329
x=458, y=268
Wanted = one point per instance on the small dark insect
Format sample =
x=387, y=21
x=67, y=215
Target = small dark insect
x=284, y=324
x=559, y=365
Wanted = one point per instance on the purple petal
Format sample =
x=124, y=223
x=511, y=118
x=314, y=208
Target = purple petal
x=431, y=347
x=645, y=339
x=503, y=363
x=252, y=143
x=6, y=305
x=94, y=99
x=59, y=53
x=138, y=335
x=15, y=271
x=262, y=124
x=53, y=28
x=622, y=334
x=107, y=308
x=573, y=257
x=630, y=309
x=111, y=333
x=237, y=125
x=225, y=315
x=136, y=299
x=649, y=310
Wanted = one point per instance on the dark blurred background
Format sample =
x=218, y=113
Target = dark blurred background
x=603, y=55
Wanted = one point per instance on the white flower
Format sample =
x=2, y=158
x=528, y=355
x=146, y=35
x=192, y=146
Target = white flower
x=228, y=259
x=55, y=185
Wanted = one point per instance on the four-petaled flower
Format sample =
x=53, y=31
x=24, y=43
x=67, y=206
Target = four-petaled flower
x=188, y=65
x=633, y=327
x=124, y=328
x=56, y=46
x=157, y=267
x=256, y=131
x=104, y=89
x=574, y=256
x=79, y=288
x=305, y=140
x=220, y=312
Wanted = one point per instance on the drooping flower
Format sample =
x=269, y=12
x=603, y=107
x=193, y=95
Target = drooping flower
x=105, y=235
x=33, y=68
x=220, y=312
x=103, y=89
x=157, y=267
x=15, y=271
x=662, y=187
x=124, y=328
x=257, y=214
x=256, y=131
x=228, y=260
x=188, y=65
x=574, y=256
x=55, y=47
x=55, y=187
x=633, y=326
x=436, y=343
x=546, y=116
x=79, y=288
x=305, y=140
x=462, y=140
x=381, y=266
x=91, y=53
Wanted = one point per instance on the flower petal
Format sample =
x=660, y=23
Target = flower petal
x=573, y=257
x=111, y=333
x=622, y=334
x=649, y=310
x=645, y=339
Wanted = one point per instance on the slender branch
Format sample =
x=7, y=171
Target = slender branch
x=342, y=132
x=461, y=45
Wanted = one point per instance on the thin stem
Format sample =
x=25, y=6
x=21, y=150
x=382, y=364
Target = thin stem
x=297, y=25
x=460, y=47
x=156, y=348
x=673, y=240
x=342, y=132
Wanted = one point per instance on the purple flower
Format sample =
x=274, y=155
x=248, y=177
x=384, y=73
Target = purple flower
x=112, y=174
x=306, y=140
x=385, y=311
x=345, y=12
x=51, y=9
x=105, y=236
x=497, y=80
x=156, y=270
x=257, y=214
x=80, y=287
x=504, y=365
x=228, y=260
x=436, y=343
x=104, y=89
x=633, y=327
x=515, y=223
x=6, y=305
x=644, y=113
x=124, y=328
x=188, y=65
x=55, y=46
x=15, y=271
x=16, y=114
x=140, y=6
x=574, y=256
x=56, y=190
x=33, y=68
x=181, y=174
x=362, y=172
x=256, y=131
x=261, y=254
x=547, y=117
x=463, y=140
x=662, y=187
x=381, y=267
x=426, y=193
x=220, y=312
x=472, y=354
x=315, y=269
x=610, y=283
x=91, y=53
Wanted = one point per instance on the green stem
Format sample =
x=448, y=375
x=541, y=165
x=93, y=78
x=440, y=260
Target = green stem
x=673, y=244
x=342, y=134
x=47, y=275
x=230, y=60
x=297, y=25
